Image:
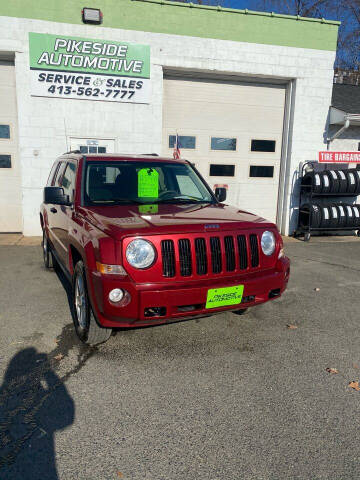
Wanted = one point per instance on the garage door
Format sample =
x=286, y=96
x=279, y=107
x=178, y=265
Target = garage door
x=232, y=132
x=10, y=186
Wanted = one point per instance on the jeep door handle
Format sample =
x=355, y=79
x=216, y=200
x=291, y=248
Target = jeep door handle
x=53, y=210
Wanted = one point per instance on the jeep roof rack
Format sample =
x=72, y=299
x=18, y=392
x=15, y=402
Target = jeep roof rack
x=72, y=151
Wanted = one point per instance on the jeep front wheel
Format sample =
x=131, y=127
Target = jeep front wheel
x=86, y=326
x=240, y=312
x=47, y=255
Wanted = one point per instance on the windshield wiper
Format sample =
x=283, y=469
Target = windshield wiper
x=182, y=200
x=127, y=201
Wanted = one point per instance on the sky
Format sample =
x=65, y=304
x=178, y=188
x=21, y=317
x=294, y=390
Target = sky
x=348, y=55
x=257, y=5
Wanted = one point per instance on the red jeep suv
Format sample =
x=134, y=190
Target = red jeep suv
x=145, y=241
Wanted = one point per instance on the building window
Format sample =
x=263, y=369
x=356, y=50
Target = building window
x=218, y=143
x=4, y=131
x=5, y=161
x=261, y=171
x=86, y=149
x=263, y=145
x=186, y=141
x=222, y=170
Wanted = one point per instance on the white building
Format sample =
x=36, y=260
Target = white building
x=344, y=118
x=248, y=93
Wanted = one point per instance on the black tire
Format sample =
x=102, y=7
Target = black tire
x=325, y=181
x=316, y=215
x=86, y=326
x=325, y=216
x=335, y=215
x=343, y=181
x=335, y=181
x=240, y=312
x=342, y=215
x=310, y=213
x=352, y=180
x=357, y=177
x=349, y=216
x=47, y=254
x=313, y=179
x=356, y=209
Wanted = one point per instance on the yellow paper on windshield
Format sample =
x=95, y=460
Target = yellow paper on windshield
x=148, y=183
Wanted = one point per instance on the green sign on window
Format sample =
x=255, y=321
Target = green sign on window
x=148, y=183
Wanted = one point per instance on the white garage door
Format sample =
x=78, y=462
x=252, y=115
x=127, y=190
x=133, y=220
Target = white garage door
x=232, y=132
x=10, y=185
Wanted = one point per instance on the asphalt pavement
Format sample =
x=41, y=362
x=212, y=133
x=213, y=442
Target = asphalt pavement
x=224, y=398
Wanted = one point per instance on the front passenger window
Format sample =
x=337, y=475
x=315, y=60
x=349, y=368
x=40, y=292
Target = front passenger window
x=68, y=181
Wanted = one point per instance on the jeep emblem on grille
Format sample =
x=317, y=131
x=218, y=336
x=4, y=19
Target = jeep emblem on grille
x=211, y=226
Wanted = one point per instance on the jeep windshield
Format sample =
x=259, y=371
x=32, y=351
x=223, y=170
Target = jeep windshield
x=116, y=183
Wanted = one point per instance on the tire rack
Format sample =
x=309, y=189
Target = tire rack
x=307, y=190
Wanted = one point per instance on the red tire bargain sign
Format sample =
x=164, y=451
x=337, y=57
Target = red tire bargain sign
x=339, y=157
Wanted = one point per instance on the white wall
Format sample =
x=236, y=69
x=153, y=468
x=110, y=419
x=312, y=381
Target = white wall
x=138, y=128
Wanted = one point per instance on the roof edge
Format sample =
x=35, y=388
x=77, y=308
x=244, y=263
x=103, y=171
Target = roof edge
x=241, y=12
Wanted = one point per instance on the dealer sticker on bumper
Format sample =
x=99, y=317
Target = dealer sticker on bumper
x=222, y=297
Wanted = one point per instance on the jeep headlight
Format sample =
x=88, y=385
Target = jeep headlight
x=268, y=243
x=140, y=253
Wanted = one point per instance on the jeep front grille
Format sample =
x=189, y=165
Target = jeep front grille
x=209, y=255
x=168, y=258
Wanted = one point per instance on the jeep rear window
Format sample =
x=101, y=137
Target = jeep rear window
x=112, y=183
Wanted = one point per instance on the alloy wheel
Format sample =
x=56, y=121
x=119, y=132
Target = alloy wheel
x=80, y=301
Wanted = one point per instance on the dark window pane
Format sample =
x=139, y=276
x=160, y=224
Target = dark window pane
x=92, y=149
x=359, y=147
x=263, y=145
x=59, y=174
x=222, y=170
x=261, y=171
x=218, y=143
x=4, y=131
x=52, y=174
x=185, y=141
x=84, y=149
x=101, y=149
x=68, y=180
x=5, y=161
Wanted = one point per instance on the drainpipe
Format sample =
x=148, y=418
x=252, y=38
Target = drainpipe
x=339, y=132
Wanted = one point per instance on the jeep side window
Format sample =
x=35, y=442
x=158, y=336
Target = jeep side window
x=58, y=177
x=52, y=173
x=68, y=180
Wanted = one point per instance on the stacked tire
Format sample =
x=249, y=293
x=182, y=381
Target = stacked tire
x=333, y=181
x=330, y=216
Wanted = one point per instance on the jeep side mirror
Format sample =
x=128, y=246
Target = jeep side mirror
x=220, y=194
x=56, y=196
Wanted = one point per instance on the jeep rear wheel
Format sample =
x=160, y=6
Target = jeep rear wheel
x=47, y=255
x=86, y=326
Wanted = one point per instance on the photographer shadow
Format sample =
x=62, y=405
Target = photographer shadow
x=34, y=404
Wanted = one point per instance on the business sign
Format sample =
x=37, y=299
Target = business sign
x=339, y=157
x=72, y=67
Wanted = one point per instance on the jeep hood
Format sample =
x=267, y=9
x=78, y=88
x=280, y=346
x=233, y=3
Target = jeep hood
x=120, y=220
